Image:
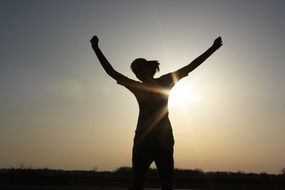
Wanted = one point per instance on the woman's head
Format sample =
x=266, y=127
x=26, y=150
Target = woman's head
x=144, y=69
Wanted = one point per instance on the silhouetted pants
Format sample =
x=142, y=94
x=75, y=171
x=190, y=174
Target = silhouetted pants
x=144, y=153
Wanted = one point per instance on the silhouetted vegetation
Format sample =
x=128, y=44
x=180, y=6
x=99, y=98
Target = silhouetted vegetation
x=121, y=177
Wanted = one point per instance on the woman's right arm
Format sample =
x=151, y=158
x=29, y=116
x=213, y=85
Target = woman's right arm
x=104, y=62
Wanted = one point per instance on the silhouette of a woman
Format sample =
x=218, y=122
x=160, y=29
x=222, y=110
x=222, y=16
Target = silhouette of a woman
x=153, y=136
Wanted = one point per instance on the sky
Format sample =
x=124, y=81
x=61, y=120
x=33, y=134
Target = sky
x=59, y=109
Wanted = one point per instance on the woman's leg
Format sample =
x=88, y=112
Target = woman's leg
x=141, y=161
x=165, y=167
x=165, y=163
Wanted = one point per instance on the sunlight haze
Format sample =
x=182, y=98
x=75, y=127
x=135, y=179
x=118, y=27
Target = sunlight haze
x=59, y=109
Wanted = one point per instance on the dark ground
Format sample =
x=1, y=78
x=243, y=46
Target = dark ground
x=58, y=188
x=46, y=179
x=68, y=188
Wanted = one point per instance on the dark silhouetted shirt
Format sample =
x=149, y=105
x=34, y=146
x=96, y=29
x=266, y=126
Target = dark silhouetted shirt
x=153, y=122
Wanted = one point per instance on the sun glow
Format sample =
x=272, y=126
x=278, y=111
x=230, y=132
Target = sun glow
x=181, y=95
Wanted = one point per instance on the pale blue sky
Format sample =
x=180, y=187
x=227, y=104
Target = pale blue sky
x=58, y=108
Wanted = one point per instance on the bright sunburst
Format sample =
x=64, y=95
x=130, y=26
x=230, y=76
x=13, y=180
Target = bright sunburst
x=180, y=95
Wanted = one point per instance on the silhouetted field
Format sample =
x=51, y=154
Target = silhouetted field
x=15, y=179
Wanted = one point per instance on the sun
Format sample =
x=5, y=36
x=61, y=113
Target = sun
x=180, y=95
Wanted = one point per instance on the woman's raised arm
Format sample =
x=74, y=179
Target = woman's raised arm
x=104, y=62
x=184, y=71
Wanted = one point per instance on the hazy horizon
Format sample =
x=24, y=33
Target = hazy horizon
x=59, y=109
